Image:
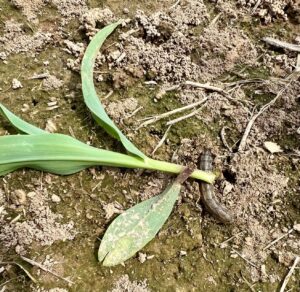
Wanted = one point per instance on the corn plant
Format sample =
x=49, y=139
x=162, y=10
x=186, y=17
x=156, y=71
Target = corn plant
x=63, y=154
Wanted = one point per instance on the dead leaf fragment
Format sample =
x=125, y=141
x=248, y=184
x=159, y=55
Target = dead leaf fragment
x=272, y=147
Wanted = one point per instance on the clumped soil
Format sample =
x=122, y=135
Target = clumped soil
x=152, y=64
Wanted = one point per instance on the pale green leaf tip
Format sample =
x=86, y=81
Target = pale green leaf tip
x=120, y=252
x=101, y=254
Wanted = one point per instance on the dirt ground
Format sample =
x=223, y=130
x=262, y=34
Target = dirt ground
x=166, y=55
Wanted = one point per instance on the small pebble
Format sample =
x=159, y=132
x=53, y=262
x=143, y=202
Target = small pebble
x=31, y=194
x=16, y=84
x=18, y=197
x=89, y=216
x=142, y=257
x=55, y=199
x=297, y=227
x=50, y=126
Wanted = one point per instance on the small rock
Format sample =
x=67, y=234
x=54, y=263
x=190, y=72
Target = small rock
x=142, y=257
x=115, y=54
x=227, y=188
x=272, y=147
x=89, y=216
x=50, y=126
x=18, y=197
x=55, y=199
x=297, y=227
x=183, y=253
x=3, y=56
x=31, y=194
x=16, y=84
x=52, y=83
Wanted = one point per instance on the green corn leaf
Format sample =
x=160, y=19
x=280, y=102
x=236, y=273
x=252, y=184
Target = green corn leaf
x=62, y=154
x=18, y=123
x=90, y=95
x=56, y=153
x=134, y=228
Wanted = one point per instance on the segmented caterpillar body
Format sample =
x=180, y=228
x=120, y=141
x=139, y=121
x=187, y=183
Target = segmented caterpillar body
x=207, y=190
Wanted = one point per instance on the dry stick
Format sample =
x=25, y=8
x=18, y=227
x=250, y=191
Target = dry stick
x=134, y=112
x=175, y=111
x=214, y=21
x=277, y=239
x=109, y=94
x=289, y=274
x=256, y=6
x=205, y=86
x=254, y=117
x=230, y=238
x=248, y=283
x=245, y=259
x=193, y=113
x=39, y=76
x=297, y=69
x=174, y=5
x=162, y=140
x=223, y=138
x=22, y=268
x=281, y=44
x=42, y=267
x=245, y=81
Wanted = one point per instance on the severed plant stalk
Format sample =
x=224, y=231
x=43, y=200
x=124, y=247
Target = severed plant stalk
x=63, y=154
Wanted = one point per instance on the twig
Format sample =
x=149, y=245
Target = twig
x=222, y=244
x=248, y=283
x=297, y=68
x=134, y=112
x=172, y=112
x=108, y=95
x=125, y=35
x=223, y=138
x=174, y=5
x=279, y=238
x=42, y=267
x=254, y=117
x=97, y=185
x=39, y=76
x=205, y=86
x=162, y=91
x=150, y=82
x=281, y=44
x=245, y=259
x=256, y=6
x=193, y=113
x=289, y=274
x=6, y=282
x=22, y=268
x=245, y=81
x=162, y=140
x=215, y=19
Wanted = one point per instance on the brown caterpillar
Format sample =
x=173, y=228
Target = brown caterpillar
x=208, y=197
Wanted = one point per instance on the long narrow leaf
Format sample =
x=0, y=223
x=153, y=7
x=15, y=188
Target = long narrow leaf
x=90, y=95
x=56, y=153
x=133, y=229
x=18, y=123
x=62, y=154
